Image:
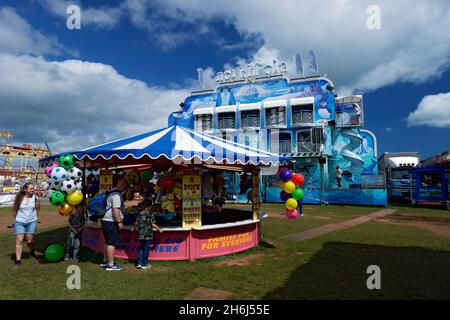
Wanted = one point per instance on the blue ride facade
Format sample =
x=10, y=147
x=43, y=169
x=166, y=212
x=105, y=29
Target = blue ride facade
x=302, y=118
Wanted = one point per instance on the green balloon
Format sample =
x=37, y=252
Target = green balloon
x=54, y=252
x=67, y=161
x=298, y=194
x=147, y=176
x=57, y=198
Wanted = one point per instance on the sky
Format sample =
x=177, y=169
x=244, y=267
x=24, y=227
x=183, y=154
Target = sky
x=132, y=62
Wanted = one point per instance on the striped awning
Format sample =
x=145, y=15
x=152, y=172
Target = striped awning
x=177, y=144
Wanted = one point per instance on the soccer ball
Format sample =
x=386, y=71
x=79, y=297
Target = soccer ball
x=59, y=174
x=68, y=186
x=55, y=185
x=57, y=198
x=75, y=174
x=79, y=185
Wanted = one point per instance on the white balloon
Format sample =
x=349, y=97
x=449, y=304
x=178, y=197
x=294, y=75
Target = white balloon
x=75, y=174
x=59, y=174
x=68, y=186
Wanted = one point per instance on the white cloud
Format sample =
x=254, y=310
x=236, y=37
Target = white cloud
x=412, y=45
x=76, y=104
x=101, y=17
x=433, y=111
x=18, y=36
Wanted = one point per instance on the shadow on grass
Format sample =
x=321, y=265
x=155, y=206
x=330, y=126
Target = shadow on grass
x=338, y=271
x=56, y=236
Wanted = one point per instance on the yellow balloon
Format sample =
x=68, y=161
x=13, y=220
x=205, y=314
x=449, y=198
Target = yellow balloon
x=75, y=197
x=65, y=210
x=291, y=204
x=281, y=184
x=289, y=187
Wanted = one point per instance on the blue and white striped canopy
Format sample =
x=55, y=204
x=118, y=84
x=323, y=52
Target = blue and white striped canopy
x=179, y=144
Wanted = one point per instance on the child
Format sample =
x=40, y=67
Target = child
x=144, y=225
x=76, y=224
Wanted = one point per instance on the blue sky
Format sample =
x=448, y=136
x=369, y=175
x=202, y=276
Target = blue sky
x=133, y=61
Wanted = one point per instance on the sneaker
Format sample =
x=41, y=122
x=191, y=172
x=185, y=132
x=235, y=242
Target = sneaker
x=66, y=258
x=104, y=264
x=114, y=267
x=138, y=266
x=17, y=263
x=147, y=266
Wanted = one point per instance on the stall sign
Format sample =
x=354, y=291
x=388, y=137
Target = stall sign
x=106, y=180
x=192, y=193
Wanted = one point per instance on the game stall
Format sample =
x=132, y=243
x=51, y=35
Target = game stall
x=181, y=170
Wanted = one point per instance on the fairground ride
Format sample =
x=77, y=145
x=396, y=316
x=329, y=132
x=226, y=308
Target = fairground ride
x=20, y=161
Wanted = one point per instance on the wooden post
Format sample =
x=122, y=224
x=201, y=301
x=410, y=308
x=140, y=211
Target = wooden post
x=256, y=201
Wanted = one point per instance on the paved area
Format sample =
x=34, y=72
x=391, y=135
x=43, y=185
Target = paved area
x=312, y=233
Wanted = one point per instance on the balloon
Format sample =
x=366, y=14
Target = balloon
x=75, y=197
x=57, y=198
x=146, y=175
x=67, y=161
x=59, y=174
x=284, y=196
x=168, y=183
x=298, y=179
x=291, y=214
x=54, y=253
x=281, y=184
x=218, y=180
x=291, y=203
x=289, y=187
x=298, y=194
x=65, y=210
x=48, y=169
x=285, y=174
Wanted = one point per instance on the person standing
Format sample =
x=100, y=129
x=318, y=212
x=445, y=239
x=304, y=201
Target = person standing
x=144, y=225
x=26, y=212
x=338, y=177
x=111, y=224
x=76, y=224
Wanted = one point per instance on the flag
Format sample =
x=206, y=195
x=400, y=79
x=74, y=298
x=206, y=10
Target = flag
x=312, y=63
x=200, y=77
x=298, y=64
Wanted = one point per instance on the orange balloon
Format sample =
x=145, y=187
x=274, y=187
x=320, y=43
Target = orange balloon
x=65, y=210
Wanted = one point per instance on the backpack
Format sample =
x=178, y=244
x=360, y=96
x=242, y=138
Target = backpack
x=97, y=205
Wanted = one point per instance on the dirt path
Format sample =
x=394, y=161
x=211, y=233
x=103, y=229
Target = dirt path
x=438, y=226
x=48, y=217
x=312, y=233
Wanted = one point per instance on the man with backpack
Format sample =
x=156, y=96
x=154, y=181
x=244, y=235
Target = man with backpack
x=111, y=223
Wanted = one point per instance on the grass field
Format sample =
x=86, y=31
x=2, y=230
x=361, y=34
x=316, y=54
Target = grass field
x=413, y=254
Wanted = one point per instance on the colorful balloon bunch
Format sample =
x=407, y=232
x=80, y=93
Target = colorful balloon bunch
x=66, y=184
x=291, y=193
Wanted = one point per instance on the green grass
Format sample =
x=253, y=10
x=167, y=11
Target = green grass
x=414, y=264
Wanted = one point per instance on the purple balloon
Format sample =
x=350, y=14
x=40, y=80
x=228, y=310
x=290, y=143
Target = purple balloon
x=285, y=174
x=284, y=196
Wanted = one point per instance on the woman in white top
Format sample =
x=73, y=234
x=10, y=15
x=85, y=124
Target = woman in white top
x=26, y=211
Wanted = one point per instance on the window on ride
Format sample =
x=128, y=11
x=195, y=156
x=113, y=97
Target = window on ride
x=283, y=145
x=250, y=119
x=302, y=114
x=275, y=116
x=305, y=141
x=204, y=122
x=226, y=120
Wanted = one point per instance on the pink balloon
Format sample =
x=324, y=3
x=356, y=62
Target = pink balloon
x=48, y=169
x=291, y=214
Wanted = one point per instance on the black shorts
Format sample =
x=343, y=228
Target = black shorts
x=111, y=233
